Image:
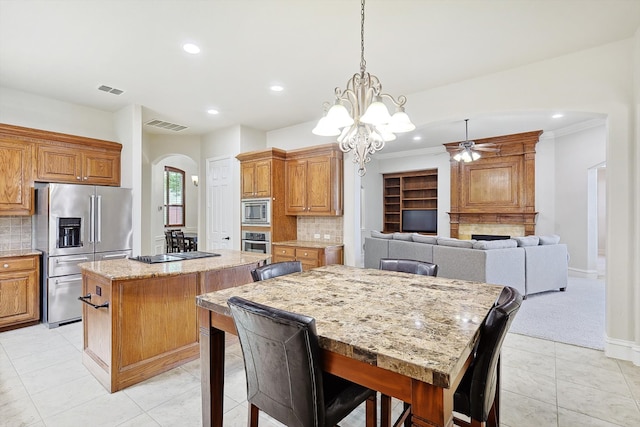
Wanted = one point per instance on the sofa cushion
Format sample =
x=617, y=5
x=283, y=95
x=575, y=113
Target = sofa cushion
x=550, y=240
x=456, y=243
x=527, y=241
x=402, y=236
x=381, y=235
x=421, y=238
x=495, y=244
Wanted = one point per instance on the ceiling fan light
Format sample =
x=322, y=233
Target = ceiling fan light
x=475, y=155
x=400, y=122
x=457, y=157
x=376, y=114
x=324, y=128
x=338, y=116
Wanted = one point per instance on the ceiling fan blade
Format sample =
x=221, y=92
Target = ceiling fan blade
x=486, y=144
x=492, y=150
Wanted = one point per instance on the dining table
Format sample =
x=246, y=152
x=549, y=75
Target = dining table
x=404, y=335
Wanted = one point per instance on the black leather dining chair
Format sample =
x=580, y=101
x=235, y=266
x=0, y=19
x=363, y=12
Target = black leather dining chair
x=409, y=266
x=283, y=370
x=478, y=394
x=276, y=269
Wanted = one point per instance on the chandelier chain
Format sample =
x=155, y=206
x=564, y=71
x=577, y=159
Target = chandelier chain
x=363, y=63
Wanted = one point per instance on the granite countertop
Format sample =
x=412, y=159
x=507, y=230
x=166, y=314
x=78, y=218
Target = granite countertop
x=308, y=244
x=131, y=269
x=419, y=326
x=19, y=252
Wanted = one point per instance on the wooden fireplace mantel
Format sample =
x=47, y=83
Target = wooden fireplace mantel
x=499, y=188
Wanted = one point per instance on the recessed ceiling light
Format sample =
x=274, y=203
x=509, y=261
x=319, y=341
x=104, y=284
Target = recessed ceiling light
x=213, y=112
x=191, y=48
x=276, y=88
x=417, y=138
x=557, y=116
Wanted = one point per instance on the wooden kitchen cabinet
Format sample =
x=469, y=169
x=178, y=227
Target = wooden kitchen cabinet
x=16, y=185
x=310, y=256
x=80, y=165
x=256, y=179
x=314, y=181
x=19, y=291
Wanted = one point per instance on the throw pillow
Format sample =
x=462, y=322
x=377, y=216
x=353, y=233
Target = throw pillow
x=495, y=244
x=550, y=240
x=421, y=238
x=527, y=241
x=402, y=236
x=456, y=243
x=381, y=235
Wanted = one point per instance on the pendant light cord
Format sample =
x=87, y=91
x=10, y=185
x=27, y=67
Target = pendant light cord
x=363, y=63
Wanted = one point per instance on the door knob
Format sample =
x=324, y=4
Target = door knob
x=226, y=238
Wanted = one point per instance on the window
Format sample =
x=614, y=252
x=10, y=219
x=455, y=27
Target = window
x=173, y=197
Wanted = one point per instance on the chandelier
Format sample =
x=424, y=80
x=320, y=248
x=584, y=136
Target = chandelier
x=359, y=116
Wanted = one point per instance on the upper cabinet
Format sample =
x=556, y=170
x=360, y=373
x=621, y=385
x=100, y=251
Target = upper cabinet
x=314, y=181
x=78, y=164
x=16, y=185
x=256, y=178
x=28, y=155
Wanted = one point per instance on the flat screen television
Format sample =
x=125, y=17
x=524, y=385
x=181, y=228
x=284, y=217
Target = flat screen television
x=420, y=221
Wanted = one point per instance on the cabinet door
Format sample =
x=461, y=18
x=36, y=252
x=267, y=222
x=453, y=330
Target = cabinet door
x=100, y=168
x=310, y=258
x=19, y=297
x=59, y=164
x=16, y=183
x=319, y=185
x=262, y=184
x=248, y=177
x=296, y=196
x=282, y=253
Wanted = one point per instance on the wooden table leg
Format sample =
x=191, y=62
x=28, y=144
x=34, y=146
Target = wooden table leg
x=212, y=344
x=431, y=405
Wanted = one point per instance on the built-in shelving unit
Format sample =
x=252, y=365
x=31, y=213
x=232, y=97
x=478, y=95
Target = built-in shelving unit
x=417, y=190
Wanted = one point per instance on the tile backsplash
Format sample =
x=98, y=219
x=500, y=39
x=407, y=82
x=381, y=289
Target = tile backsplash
x=15, y=232
x=309, y=227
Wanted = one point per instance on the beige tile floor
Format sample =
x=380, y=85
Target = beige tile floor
x=43, y=383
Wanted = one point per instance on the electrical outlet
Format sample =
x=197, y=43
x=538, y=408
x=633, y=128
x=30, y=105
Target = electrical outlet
x=316, y=236
x=327, y=236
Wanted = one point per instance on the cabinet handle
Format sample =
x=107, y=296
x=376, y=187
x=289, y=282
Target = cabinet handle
x=283, y=251
x=305, y=254
x=78, y=178
x=87, y=300
x=6, y=265
x=85, y=178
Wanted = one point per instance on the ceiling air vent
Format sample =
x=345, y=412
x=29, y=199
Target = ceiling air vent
x=110, y=90
x=165, y=125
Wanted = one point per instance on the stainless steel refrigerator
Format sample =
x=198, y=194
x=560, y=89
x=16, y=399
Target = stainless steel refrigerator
x=75, y=224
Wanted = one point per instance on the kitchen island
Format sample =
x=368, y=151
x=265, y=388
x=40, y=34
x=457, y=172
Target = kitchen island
x=140, y=319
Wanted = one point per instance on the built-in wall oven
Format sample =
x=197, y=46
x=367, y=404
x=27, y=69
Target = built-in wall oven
x=256, y=211
x=256, y=241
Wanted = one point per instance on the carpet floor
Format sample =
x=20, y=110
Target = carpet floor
x=575, y=316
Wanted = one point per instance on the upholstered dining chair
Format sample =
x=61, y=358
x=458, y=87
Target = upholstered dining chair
x=478, y=394
x=409, y=266
x=276, y=269
x=283, y=370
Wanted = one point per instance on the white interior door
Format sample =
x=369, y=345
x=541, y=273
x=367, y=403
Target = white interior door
x=219, y=203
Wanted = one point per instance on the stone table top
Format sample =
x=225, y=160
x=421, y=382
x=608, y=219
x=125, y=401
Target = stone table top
x=419, y=326
x=124, y=269
x=19, y=252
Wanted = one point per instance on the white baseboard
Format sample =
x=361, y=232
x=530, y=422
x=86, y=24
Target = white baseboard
x=584, y=274
x=622, y=349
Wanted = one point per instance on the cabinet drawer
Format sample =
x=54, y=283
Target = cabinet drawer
x=284, y=251
x=17, y=264
x=305, y=253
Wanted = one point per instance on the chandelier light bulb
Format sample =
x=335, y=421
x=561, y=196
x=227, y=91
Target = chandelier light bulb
x=376, y=114
x=338, y=116
x=324, y=128
x=400, y=122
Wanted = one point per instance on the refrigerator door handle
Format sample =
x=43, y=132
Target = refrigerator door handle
x=71, y=260
x=99, y=220
x=92, y=212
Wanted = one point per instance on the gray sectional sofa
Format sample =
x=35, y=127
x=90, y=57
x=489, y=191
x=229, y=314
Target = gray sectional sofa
x=530, y=264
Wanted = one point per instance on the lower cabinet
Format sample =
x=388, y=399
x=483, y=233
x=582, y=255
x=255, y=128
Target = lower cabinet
x=310, y=257
x=19, y=291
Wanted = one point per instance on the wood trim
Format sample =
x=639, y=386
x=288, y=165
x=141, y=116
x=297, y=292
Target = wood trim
x=268, y=154
x=55, y=138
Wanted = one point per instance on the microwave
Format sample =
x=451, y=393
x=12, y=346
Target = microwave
x=256, y=211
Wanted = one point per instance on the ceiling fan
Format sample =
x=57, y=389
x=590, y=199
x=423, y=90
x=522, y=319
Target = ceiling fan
x=469, y=149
